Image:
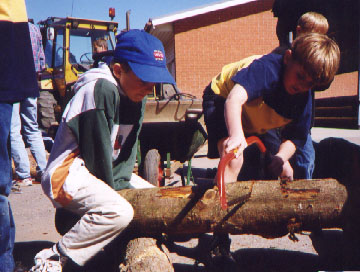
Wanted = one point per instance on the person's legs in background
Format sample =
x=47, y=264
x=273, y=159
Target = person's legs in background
x=32, y=134
x=272, y=140
x=7, y=225
x=18, y=151
x=24, y=127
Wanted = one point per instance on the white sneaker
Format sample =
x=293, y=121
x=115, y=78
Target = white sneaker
x=48, y=260
x=23, y=182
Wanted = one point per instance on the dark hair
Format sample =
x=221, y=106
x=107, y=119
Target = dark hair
x=125, y=65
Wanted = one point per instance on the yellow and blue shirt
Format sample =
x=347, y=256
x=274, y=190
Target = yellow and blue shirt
x=17, y=70
x=269, y=105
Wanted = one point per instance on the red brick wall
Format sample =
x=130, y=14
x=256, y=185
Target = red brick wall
x=343, y=85
x=205, y=43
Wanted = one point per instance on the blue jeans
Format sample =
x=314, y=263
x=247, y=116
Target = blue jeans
x=24, y=127
x=7, y=226
x=303, y=161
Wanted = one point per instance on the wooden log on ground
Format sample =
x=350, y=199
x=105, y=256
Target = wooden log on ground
x=266, y=208
x=143, y=254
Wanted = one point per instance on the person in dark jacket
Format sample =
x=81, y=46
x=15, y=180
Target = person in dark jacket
x=17, y=82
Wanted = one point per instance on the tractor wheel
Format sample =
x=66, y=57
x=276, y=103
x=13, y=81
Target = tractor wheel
x=46, y=104
x=153, y=169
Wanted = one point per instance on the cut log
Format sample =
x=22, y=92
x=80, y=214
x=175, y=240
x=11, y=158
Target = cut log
x=143, y=254
x=266, y=208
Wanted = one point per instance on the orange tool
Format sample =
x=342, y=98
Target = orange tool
x=220, y=175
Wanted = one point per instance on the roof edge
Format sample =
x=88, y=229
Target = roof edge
x=198, y=11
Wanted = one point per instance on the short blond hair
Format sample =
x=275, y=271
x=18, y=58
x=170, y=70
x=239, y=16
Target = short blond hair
x=318, y=54
x=313, y=22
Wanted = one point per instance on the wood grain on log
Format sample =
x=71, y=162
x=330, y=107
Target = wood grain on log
x=267, y=208
x=143, y=254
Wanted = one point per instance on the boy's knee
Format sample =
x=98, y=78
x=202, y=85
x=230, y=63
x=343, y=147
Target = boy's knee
x=124, y=214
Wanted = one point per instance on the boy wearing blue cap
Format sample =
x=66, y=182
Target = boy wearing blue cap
x=94, y=151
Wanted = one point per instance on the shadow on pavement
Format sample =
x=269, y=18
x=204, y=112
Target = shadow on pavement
x=329, y=244
x=24, y=253
x=258, y=259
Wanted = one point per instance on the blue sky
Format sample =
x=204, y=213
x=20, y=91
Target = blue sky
x=141, y=10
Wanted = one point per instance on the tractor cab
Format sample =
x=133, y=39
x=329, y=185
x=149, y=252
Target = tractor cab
x=69, y=46
x=69, y=51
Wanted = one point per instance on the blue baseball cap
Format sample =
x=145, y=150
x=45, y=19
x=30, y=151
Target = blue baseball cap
x=145, y=55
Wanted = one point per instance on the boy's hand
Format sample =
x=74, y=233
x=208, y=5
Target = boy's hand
x=232, y=143
x=274, y=165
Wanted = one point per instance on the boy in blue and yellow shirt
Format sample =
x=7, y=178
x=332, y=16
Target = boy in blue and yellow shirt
x=259, y=93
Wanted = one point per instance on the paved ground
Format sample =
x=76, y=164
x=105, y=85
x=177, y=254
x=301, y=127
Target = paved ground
x=351, y=135
x=34, y=219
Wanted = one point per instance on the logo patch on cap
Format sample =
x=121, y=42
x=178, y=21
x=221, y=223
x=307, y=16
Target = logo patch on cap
x=158, y=55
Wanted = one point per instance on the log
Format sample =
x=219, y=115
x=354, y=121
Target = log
x=129, y=253
x=269, y=208
x=143, y=254
x=266, y=208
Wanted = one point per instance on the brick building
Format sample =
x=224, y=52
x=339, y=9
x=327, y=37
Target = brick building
x=200, y=41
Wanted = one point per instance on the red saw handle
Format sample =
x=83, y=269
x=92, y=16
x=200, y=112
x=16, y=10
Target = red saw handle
x=256, y=140
x=220, y=175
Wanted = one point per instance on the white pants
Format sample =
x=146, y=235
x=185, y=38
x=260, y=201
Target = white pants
x=105, y=214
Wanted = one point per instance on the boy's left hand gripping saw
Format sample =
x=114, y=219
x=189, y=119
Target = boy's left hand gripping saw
x=225, y=160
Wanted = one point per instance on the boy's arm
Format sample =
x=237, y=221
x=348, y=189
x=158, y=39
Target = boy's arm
x=286, y=150
x=93, y=134
x=233, y=108
x=93, y=127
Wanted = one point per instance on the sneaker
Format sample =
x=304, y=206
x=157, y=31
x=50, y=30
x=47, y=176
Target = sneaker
x=23, y=182
x=15, y=188
x=48, y=260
